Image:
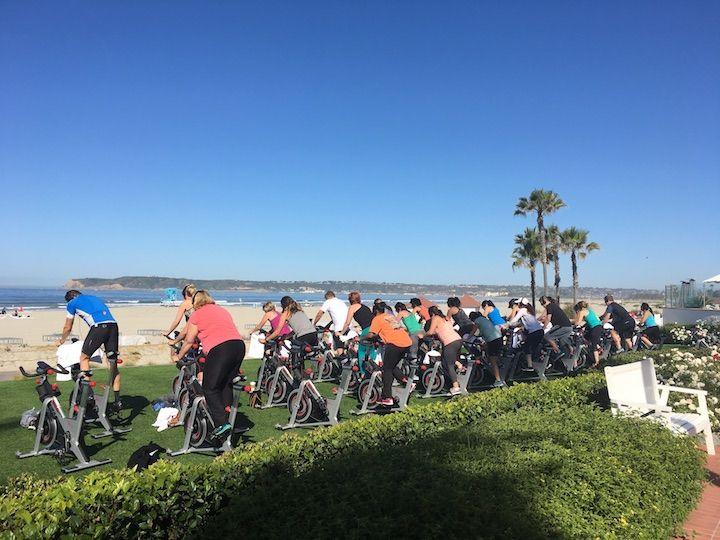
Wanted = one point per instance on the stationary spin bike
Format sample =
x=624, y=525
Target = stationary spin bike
x=99, y=410
x=274, y=378
x=369, y=392
x=56, y=434
x=309, y=408
x=198, y=422
x=433, y=380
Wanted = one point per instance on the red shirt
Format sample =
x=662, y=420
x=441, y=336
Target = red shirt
x=215, y=326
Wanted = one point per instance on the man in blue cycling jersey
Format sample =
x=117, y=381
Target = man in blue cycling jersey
x=103, y=332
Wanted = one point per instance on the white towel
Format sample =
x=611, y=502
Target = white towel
x=164, y=416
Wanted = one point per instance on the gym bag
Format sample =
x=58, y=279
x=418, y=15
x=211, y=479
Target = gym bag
x=145, y=456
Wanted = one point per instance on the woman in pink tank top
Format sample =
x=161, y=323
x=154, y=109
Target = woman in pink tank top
x=452, y=343
x=272, y=316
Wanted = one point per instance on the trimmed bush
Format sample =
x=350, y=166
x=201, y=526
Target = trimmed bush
x=173, y=499
x=557, y=473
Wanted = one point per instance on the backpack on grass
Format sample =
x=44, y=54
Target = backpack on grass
x=145, y=456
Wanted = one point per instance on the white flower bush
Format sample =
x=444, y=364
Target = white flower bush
x=704, y=333
x=693, y=368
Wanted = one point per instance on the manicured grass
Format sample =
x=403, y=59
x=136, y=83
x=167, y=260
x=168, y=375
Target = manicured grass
x=140, y=386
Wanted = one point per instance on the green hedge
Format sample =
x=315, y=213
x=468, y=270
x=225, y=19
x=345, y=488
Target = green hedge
x=553, y=473
x=172, y=499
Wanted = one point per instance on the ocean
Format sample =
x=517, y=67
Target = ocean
x=53, y=298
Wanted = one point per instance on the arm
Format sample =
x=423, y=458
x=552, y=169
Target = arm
x=518, y=315
x=67, y=328
x=190, y=334
x=433, y=327
x=351, y=312
x=178, y=316
x=606, y=316
x=318, y=316
x=644, y=317
x=579, y=319
x=276, y=332
x=258, y=326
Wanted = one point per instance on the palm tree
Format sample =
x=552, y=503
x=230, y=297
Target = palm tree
x=526, y=253
x=543, y=203
x=576, y=242
x=554, y=247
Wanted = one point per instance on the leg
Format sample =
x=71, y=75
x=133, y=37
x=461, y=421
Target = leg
x=495, y=368
x=390, y=362
x=449, y=355
x=221, y=365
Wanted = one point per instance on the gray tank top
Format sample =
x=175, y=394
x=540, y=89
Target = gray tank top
x=300, y=324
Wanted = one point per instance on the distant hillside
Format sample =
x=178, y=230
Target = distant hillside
x=157, y=282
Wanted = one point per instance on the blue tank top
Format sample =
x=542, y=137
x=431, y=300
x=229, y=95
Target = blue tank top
x=650, y=321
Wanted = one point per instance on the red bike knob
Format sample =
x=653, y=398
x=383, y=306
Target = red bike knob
x=227, y=409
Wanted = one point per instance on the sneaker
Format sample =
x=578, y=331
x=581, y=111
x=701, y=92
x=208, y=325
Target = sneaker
x=413, y=386
x=499, y=384
x=387, y=402
x=220, y=431
x=455, y=391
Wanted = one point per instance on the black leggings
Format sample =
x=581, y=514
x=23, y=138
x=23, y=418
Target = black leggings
x=298, y=364
x=450, y=353
x=593, y=335
x=391, y=358
x=533, y=344
x=221, y=367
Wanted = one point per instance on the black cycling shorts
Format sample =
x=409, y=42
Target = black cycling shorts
x=494, y=347
x=102, y=334
x=626, y=329
x=653, y=334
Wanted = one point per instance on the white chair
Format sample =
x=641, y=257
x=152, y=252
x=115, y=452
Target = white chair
x=634, y=390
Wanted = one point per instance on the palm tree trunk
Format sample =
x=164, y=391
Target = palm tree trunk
x=543, y=250
x=556, y=263
x=532, y=285
x=576, y=283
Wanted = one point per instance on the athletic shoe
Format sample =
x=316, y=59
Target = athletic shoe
x=220, y=430
x=454, y=391
x=499, y=384
x=412, y=387
x=387, y=402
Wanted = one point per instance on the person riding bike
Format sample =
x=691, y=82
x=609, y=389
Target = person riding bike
x=272, y=316
x=492, y=313
x=225, y=350
x=651, y=334
x=452, y=343
x=522, y=313
x=559, y=322
x=338, y=310
x=493, y=342
x=584, y=316
x=413, y=327
x=183, y=310
x=622, y=322
x=422, y=311
x=397, y=343
x=460, y=318
x=363, y=317
x=103, y=332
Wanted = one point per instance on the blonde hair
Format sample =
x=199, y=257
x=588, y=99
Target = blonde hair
x=189, y=290
x=268, y=306
x=201, y=298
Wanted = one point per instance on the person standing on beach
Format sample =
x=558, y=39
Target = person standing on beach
x=103, y=332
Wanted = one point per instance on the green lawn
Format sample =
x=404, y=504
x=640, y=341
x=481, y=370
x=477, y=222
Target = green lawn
x=140, y=386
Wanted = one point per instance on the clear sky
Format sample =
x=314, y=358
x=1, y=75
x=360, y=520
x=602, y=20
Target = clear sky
x=384, y=141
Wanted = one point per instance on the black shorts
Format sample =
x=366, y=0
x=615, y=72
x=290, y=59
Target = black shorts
x=653, y=334
x=105, y=334
x=494, y=347
x=625, y=328
x=593, y=335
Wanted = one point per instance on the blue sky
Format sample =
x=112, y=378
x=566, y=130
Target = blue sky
x=385, y=141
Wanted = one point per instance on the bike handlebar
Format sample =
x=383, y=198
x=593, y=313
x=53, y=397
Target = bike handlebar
x=44, y=369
